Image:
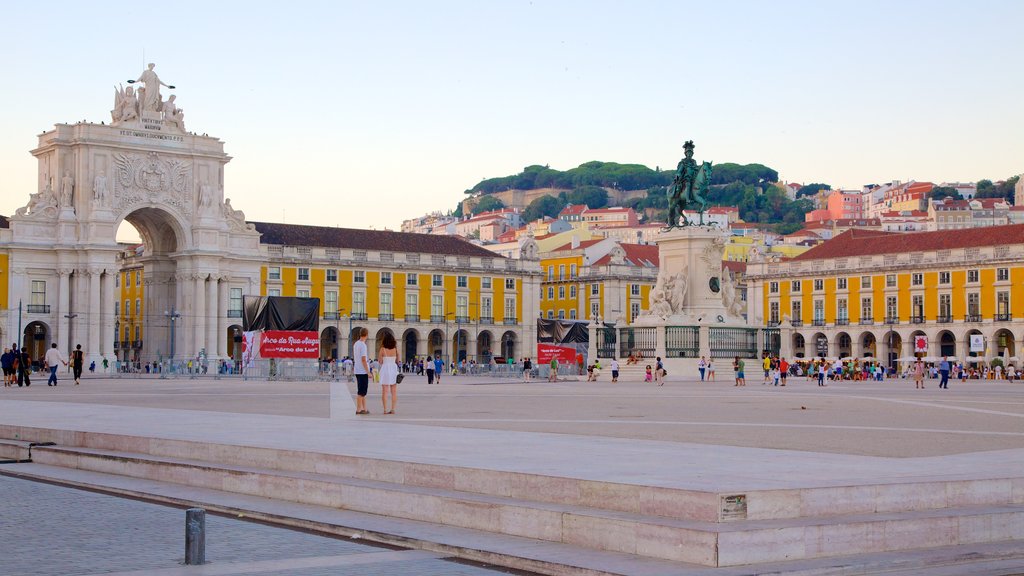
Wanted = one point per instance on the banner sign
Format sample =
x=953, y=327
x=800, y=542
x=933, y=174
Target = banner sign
x=545, y=352
x=290, y=344
x=920, y=343
x=977, y=343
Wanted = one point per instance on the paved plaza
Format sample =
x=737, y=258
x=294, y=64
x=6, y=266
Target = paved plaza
x=686, y=435
x=888, y=418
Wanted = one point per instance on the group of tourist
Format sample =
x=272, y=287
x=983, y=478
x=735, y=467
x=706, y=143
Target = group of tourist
x=17, y=365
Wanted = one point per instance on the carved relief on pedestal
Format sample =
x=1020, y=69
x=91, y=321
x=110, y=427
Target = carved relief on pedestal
x=151, y=178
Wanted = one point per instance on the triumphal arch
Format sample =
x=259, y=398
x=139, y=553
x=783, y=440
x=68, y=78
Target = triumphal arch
x=144, y=167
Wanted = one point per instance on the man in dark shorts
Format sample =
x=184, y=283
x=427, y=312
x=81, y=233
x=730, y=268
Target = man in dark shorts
x=362, y=371
x=77, y=362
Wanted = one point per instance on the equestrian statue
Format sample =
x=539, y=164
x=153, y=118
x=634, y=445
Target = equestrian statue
x=688, y=189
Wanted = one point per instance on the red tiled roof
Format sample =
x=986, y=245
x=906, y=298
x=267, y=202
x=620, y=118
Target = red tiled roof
x=355, y=239
x=989, y=203
x=803, y=234
x=735, y=267
x=582, y=244
x=723, y=209
x=573, y=209
x=905, y=214
x=871, y=242
x=644, y=255
x=611, y=209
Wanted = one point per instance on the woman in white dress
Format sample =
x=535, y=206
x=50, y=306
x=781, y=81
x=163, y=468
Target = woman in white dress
x=388, y=357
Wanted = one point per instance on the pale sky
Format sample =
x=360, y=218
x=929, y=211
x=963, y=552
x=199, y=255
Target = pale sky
x=363, y=114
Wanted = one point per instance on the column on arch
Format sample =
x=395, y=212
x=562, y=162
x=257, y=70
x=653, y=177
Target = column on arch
x=94, y=315
x=177, y=326
x=224, y=288
x=198, y=314
x=63, y=309
x=107, y=314
x=213, y=314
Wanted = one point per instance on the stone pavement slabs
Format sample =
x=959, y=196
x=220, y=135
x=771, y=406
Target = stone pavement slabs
x=887, y=418
x=53, y=530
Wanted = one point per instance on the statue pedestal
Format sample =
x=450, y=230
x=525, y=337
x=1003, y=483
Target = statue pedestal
x=696, y=251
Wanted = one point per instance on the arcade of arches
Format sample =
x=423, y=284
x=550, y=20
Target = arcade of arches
x=899, y=342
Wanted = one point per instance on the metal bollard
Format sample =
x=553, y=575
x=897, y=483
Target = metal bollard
x=195, y=536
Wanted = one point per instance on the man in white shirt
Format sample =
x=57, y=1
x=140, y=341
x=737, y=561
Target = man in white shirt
x=362, y=371
x=53, y=360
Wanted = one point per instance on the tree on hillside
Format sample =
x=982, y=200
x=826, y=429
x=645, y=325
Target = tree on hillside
x=986, y=189
x=487, y=203
x=812, y=189
x=541, y=207
x=592, y=196
x=940, y=192
x=752, y=174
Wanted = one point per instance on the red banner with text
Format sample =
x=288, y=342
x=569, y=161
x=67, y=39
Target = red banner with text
x=289, y=344
x=545, y=352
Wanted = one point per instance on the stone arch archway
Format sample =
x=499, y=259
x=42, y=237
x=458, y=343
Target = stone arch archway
x=460, y=345
x=435, y=343
x=1003, y=343
x=799, y=345
x=197, y=250
x=36, y=339
x=234, y=339
x=843, y=345
x=508, y=345
x=987, y=348
x=410, y=344
x=484, y=346
x=819, y=345
x=868, y=345
x=329, y=343
x=947, y=343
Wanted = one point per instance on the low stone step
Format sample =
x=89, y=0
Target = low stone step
x=700, y=542
x=988, y=559
x=15, y=450
x=909, y=494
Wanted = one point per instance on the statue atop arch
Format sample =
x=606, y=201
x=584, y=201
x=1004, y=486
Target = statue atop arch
x=144, y=104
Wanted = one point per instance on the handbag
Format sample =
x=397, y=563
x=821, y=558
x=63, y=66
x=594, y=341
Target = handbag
x=399, y=378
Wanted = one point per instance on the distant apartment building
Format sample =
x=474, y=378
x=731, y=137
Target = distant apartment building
x=948, y=214
x=839, y=205
x=505, y=219
x=905, y=221
x=639, y=234
x=721, y=216
x=967, y=190
x=828, y=229
x=434, y=223
x=601, y=277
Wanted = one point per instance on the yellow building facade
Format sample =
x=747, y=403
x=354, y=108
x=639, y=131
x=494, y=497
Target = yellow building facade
x=597, y=278
x=890, y=296
x=437, y=295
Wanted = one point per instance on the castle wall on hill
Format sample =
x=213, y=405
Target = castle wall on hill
x=520, y=199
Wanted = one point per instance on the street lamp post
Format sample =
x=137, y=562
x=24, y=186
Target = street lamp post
x=70, y=316
x=173, y=315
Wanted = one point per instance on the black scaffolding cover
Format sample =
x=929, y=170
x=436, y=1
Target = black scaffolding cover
x=280, y=313
x=562, y=331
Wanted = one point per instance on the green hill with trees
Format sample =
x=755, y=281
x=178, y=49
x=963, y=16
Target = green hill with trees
x=751, y=187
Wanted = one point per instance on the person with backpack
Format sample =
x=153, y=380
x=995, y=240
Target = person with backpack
x=24, y=364
x=77, y=363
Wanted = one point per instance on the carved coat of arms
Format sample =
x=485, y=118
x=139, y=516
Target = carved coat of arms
x=151, y=178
